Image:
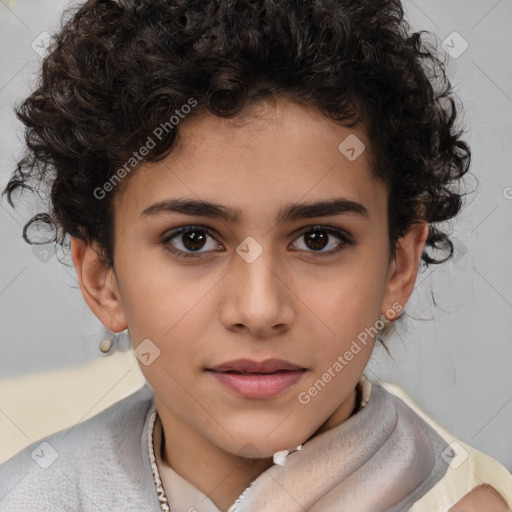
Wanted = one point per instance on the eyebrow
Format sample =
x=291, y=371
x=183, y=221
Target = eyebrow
x=290, y=212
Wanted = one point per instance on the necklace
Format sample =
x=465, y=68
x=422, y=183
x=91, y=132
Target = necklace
x=162, y=498
x=363, y=394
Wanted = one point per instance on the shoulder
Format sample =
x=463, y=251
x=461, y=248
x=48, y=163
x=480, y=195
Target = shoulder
x=64, y=469
x=465, y=468
x=483, y=498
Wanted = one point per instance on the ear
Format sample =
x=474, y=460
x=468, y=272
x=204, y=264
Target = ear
x=98, y=283
x=403, y=269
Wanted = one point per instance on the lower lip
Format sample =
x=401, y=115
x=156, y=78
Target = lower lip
x=258, y=386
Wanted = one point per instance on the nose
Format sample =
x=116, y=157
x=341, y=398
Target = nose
x=258, y=296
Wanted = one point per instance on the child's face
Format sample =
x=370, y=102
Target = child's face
x=291, y=302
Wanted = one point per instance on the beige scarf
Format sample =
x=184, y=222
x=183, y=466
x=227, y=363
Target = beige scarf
x=381, y=459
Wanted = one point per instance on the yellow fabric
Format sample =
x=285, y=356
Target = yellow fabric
x=468, y=469
x=36, y=405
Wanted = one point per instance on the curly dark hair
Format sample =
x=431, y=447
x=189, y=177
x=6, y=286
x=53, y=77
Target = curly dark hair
x=118, y=69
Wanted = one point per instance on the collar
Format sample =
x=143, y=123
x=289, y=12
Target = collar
x=382, y=458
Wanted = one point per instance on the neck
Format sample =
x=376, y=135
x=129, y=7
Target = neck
x=219, y=474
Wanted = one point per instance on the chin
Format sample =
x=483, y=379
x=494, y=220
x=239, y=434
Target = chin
x=259, y=446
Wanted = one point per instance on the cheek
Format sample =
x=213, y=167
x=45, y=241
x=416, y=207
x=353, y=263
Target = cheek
x=348, y=311
x=350, y=301
x=162, y=300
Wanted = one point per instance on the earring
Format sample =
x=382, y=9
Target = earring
x=109, y=345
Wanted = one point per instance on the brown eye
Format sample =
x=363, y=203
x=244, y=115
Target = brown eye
x=193, y=240
x=184, y=242
x=318, y=238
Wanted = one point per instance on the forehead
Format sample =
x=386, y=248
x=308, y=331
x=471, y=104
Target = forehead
x=277, y=153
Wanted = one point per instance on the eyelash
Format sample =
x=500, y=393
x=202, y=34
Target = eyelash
x=345, y=240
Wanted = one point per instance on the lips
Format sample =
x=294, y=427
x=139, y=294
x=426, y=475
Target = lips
x=257, y=380
x=244, y=366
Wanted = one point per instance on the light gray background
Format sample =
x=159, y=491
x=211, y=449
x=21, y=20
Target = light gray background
x=454, y=359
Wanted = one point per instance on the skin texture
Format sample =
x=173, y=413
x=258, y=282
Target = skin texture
x=289, y=303
x=483, y=498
